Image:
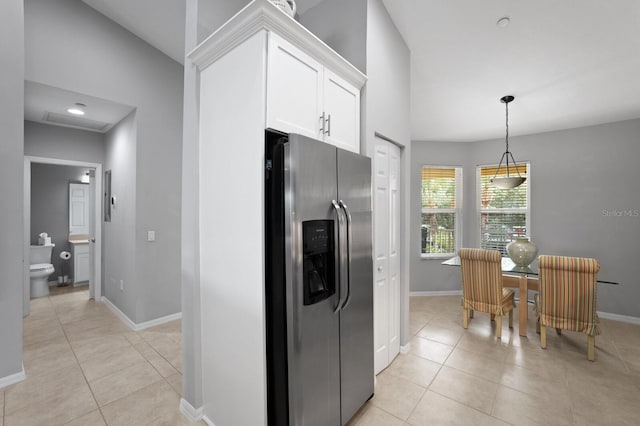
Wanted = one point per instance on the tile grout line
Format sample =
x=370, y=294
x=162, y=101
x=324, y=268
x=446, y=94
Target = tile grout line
x=161, y=356
x=81, y=370
x=154, y=367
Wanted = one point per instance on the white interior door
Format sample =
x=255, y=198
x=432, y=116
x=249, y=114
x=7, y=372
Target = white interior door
x=78, y=208
x=92, y=235
x=386, y=253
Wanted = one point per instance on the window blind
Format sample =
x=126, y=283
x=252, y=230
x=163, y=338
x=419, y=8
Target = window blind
x=503, y=212
x=440, y=191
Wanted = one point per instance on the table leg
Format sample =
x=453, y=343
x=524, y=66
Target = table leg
x=524, y=305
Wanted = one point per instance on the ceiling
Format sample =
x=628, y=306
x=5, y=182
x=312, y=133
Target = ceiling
x=569, y=63
x=48, y=105
x=161, y=22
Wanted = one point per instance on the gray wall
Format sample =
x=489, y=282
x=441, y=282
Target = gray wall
x=386, y=112
x=343, y=26
x=428, y=274
x=44, y=140
x=110, y=63
x=50, y=209
x=11, y=185
x=119, y=243
x=577, y=177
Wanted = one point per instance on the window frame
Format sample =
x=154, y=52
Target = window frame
x=458, y=211
x=480, y=210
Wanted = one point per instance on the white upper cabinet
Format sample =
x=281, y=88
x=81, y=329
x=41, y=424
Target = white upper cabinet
x=305, y=97
x=310, y=89
x=342, y=112
x=294, y=89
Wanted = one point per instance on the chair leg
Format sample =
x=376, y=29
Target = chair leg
x=465, y=318
x=543, y=336
x=538, y=325
x=493, y=317
x=511, y=318
x=591, y=348
x=499, y=326
x=470, y=313
x=559, y=331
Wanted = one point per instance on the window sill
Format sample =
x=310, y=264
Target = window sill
x=438, y=256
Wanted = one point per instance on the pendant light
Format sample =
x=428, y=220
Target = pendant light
x=508, y=181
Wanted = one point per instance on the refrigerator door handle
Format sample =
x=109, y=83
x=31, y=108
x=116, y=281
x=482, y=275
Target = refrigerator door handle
x=338, y=245
x=347, y=214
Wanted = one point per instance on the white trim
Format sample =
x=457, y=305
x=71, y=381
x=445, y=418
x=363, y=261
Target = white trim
x=436, y=293
x=405, y=349
x=479, y=210
x=12, y=379
x=191, y=413
x=458, y=212
x=621, y=318
x=262, y=14
x=138, y=326
x=208, y=421
x=97, y=246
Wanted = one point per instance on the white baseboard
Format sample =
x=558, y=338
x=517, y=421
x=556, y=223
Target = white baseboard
x=436, y=293
x=193, y=414
x=621, y=318
x=405, y=349
x=208, y=421
x=139, y=326
x=12, y=379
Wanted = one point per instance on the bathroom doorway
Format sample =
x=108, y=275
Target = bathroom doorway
x=91, y=237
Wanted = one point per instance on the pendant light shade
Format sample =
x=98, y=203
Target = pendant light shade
x=507, y=182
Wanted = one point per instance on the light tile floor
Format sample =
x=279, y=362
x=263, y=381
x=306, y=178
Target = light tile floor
x=467, y=377
x=85, y=367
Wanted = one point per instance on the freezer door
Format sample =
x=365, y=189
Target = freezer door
x=356, y=316
x=313, y=328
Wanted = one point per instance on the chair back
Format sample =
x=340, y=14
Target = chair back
x=568, y=293
x=481, y=280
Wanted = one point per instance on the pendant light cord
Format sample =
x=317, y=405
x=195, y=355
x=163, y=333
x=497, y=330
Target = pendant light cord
x=507, y=154
x=506, y=105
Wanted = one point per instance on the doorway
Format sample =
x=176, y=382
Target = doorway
x=93, y=236
x=387, y=252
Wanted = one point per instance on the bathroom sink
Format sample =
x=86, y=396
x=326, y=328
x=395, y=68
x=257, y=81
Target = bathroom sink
x=78, y=238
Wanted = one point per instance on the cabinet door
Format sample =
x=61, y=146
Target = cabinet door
x=294, y=89
x=81, y=263
x=342, y=109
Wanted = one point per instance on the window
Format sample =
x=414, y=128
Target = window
x=503, y=213
x=441, y=211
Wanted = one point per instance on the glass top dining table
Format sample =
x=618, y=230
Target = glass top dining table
x=522, y=278
x=508, y=267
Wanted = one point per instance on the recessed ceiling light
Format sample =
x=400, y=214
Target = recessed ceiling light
x=77, y=109
x=503, y=22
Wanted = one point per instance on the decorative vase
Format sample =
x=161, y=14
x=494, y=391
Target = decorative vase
x=522, y=251
x=287, y=6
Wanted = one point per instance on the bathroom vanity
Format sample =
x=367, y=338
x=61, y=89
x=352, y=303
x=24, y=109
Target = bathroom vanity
x=80, y=256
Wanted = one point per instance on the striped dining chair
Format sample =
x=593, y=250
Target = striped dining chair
x=482, y=287
x=567, y=297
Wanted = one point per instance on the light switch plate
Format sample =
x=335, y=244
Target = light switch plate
x=151, y=235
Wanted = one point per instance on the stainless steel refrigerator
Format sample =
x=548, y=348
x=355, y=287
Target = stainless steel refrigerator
x=319, y=282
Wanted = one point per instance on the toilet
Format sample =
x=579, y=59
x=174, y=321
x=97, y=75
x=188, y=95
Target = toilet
x=39, y=270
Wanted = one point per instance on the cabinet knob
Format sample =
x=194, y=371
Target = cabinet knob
x=379, y=268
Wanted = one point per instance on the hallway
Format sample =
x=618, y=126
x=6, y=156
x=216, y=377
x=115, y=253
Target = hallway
x=85, y=367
